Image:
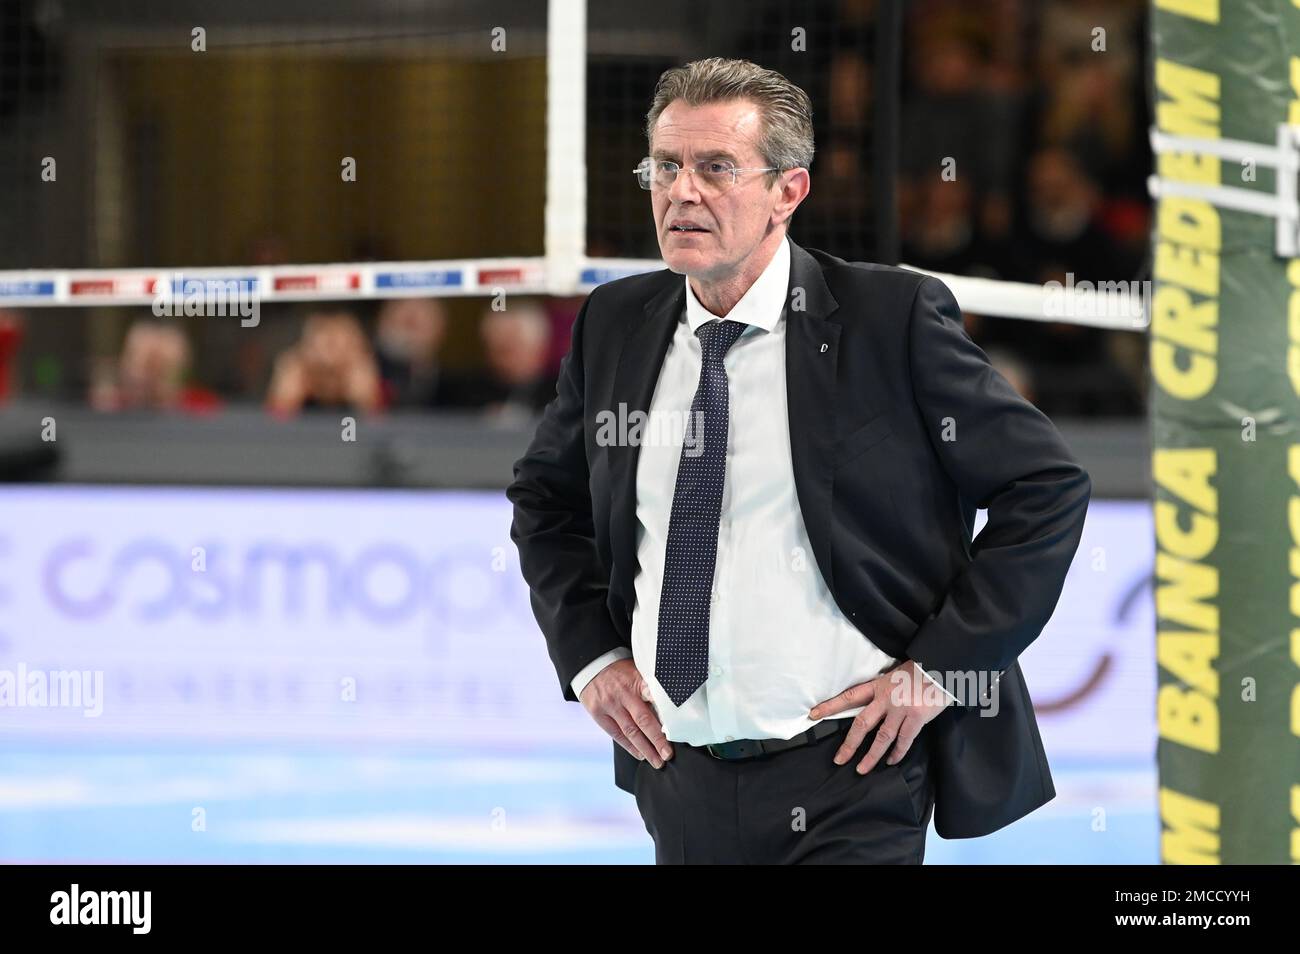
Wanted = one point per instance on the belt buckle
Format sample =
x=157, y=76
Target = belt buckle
x=753, y=748
x=740, y=746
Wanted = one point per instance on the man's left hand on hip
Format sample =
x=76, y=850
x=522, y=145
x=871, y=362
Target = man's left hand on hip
x=900, y=700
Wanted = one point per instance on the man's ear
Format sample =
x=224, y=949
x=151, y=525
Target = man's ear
x=794, y=189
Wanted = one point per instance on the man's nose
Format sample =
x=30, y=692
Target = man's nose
x=683, y=188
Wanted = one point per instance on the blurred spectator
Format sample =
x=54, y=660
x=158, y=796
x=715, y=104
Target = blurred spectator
x=152, y=373
x=1061, y=231
x=1063, y=236
x=11, y=336
x=953, y=106
x=516, y=345
x=408, y=335
x=941, y=235
x=1092, y=88
x=331, y=366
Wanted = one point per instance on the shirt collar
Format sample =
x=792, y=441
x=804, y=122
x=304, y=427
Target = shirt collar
x=761, y=305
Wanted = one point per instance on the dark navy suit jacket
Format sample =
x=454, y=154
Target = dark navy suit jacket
x=899, y=430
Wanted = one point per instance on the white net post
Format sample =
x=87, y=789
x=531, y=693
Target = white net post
x=566, y=143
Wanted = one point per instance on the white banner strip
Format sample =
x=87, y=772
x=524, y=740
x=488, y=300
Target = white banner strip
x=1121, y=305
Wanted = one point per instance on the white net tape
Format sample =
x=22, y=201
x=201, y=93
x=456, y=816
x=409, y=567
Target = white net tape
x=1116, y=305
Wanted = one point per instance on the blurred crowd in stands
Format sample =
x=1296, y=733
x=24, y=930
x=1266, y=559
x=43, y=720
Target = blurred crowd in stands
x=1023, y=157
x=329, y=358
x=1042, y=108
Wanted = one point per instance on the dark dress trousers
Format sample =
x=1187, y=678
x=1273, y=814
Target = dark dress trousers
x=900, y=429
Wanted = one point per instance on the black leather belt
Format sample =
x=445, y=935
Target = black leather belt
x=753, y=748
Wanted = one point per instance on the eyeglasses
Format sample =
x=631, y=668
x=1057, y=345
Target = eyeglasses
x=712, y=176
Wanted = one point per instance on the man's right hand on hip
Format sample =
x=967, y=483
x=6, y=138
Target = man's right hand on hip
x=618, y=698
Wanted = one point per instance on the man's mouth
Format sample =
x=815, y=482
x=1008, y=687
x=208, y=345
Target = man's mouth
x=687, y=228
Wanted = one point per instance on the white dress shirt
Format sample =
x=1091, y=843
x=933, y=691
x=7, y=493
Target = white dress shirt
x=778, y=643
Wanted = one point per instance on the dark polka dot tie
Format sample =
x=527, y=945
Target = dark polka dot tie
x=682, y=651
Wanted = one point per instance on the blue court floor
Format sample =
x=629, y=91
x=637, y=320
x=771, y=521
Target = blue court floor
x=161, y=805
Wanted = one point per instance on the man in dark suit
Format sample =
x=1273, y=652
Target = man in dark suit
x=745, y=520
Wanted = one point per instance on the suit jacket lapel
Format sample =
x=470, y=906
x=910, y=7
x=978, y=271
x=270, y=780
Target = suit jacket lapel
x=639, y=362
x=811, y=358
